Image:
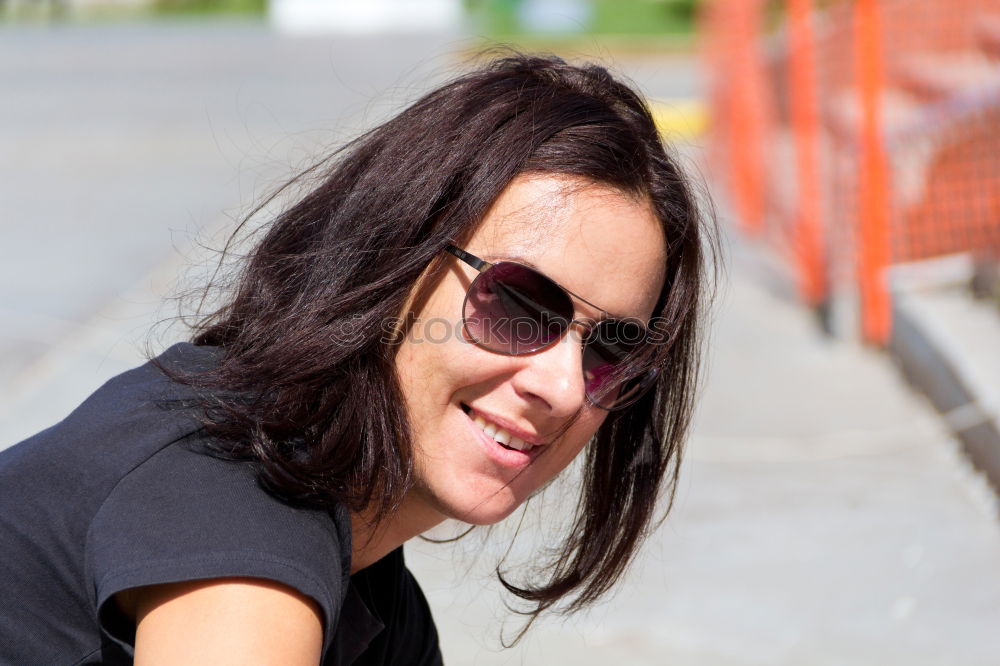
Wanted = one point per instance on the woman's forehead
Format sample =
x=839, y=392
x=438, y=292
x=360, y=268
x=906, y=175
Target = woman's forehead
x=603, y=244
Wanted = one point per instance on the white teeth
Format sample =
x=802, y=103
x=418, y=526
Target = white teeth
x=500, y=435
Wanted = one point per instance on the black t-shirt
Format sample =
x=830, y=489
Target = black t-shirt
x=119, y=495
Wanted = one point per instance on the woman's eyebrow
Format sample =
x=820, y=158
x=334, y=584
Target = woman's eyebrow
x=515, y=258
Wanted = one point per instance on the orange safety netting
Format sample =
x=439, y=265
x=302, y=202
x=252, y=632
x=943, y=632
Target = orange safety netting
x=856, y=134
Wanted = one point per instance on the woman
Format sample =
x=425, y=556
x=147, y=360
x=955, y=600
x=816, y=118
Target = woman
x=507, y=273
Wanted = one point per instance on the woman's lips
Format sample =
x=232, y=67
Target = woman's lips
x=495, y=451
x=503, y=436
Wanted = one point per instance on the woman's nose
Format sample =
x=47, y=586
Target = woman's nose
x=554, y=375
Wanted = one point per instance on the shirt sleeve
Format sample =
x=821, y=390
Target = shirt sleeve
x=183, y=515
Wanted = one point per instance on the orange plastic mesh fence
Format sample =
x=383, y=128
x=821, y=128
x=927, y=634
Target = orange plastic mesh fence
x=861, y=134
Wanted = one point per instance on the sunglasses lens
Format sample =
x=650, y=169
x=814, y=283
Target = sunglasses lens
x=606, y=380
x=513, y=309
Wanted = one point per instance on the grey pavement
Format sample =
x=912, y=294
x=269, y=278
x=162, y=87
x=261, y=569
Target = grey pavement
x=825, y=514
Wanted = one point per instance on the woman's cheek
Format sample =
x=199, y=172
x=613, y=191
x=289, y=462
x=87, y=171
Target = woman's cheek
x=574, y=442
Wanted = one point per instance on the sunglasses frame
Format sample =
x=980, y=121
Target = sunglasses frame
x=481, y=266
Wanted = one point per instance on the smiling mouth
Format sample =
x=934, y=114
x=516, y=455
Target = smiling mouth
x=497, y=434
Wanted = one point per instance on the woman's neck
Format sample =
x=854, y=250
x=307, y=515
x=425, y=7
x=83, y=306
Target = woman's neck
x=369, y=543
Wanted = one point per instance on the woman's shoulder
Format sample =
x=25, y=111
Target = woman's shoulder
x=122, y=422
x=133, y=501
x=124, y=430
x=189, y=496
x=185, y=516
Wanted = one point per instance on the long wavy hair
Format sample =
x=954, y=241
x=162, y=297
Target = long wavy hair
x=325, y=424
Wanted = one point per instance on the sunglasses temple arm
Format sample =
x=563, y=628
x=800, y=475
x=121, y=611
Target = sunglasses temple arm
x=470, y=259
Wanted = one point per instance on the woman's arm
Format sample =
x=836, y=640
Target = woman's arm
x=245, y=621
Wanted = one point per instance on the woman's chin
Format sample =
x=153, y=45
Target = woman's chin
x=483, y=518
x=469, y=507
x=486, y=512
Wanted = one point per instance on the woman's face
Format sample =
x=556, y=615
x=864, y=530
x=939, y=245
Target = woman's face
x=595, y=241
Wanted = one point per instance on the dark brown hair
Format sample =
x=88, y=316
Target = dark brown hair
x=325, y=424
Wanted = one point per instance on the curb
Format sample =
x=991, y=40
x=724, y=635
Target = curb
x=935, y=367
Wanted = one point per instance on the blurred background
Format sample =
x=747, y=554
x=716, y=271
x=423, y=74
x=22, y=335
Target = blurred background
x=837, y=502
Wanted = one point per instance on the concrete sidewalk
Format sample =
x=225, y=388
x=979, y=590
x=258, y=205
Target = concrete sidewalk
x=825, y=516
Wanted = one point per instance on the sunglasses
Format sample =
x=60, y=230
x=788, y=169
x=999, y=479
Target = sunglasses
x=515, y=310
